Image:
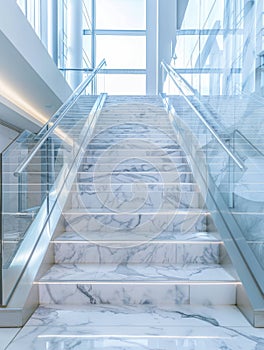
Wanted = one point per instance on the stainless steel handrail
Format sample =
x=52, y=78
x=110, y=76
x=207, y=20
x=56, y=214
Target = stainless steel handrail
x=61, y=113
x=173, y=75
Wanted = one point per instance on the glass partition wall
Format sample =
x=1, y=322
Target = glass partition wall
x=219, y=53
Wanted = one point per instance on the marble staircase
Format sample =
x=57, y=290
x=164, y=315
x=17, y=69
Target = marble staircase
x=135, y=223
x=137, y=261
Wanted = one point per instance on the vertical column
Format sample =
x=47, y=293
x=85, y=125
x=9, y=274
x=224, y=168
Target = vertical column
x=52, y=31
x=152, y=47
x=167, y=34
x=44, y=22
x=227, y=48
x=75, y=40
x=93, y=53
x=249, y=47
x=259, y=46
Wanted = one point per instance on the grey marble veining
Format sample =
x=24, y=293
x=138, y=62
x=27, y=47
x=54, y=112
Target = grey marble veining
x=136, y=252
x=135, y=260
x=150, y=158
x=137, y=187
x=127, y=153
x=137, y=284
x=145, y=327
x=154, y=223
x=131, y=177
x=143, y=272
x=127, y=201
x=134, y=165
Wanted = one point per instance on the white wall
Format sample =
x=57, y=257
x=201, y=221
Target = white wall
x=26, y=69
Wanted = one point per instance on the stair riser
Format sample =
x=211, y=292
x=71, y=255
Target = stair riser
x=137, y=187
x=166, y=158
x=127, y=201
x=115, y=146
x=105, y=134
x=136, y=152
x=137, y=294
x=105, y=138
x=126, y=177
x=153, y=224
x=138, y=130
x=134, y=167
x=128, y=118
x=158, y=252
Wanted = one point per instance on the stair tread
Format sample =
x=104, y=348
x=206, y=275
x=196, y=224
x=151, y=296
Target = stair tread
x=178, y=211
x=137, y=273
x=136, y=319
x=103, y=237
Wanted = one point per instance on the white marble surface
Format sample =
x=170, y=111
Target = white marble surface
x=167, y=252
x=136, y=200
x=6, y=336
x=133, y=177
x=100, y=237
x=137, y=284
x=154, y=222
x=137, y=273
x=145, y=327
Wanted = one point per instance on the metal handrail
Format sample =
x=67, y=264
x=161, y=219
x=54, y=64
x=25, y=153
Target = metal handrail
x=173, y=75
x=61, y=113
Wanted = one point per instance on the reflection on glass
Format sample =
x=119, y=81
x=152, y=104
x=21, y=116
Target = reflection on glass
x=220, y=53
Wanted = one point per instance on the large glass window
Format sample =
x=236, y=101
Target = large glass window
x=121, y=14
x=31, y=9
x=121, y=51
x=123, y=84
x=116, y=38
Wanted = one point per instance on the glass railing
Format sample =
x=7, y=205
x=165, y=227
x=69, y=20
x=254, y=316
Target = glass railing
x=229, y=159
x=34, y=171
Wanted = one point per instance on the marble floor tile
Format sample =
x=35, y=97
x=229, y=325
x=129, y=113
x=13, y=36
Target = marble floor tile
x=145, y=327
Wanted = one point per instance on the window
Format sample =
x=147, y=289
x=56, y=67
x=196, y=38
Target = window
x=121, y=14
x=121, y=51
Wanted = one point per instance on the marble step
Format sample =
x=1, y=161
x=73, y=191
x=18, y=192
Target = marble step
x=137, y=129
x=138, y=187
x=138, y=176
x=117, y=151
x=139, y=116
x=136, y=199
x=144, y=327
x=134, y=223
x=133, y=284
x=106, y=139
x=118, y=237
x=134, y=127
x=133, y=165
x=105, y=158
x=132, y=123
x=130, y=145
x=122, y=132
x=71, y=248
x=100, y=143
